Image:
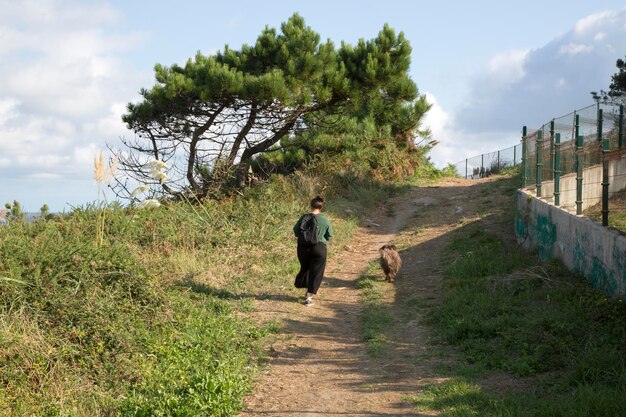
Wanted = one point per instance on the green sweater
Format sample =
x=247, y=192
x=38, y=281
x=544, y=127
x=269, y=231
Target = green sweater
x=324, y=229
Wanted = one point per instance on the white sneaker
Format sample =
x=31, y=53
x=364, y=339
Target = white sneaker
x=308, y=302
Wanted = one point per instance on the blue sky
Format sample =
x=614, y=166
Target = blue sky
x=68, y=68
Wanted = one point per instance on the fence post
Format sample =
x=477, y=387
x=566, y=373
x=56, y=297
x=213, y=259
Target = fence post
x=498, y=161
x=620, y=128
x=605, y=172
x=579, y=166
x=482, y=166
x=524, y=156
x=539, y=154
x=465, y=168
x=514, y=155
x=552, y=145
x=557, y=169
x=599, y=125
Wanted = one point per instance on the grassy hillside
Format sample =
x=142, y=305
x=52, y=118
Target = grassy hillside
x=153, y=319
x=533, y=339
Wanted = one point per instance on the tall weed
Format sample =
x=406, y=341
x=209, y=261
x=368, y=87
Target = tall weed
x=134, y=312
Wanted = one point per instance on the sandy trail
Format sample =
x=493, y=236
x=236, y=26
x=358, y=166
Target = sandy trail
x=321, y=368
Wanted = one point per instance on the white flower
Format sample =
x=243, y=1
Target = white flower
x=156, y=164
x=138, y=190
x=149, y=204
x=161, y=176
x=104, y=172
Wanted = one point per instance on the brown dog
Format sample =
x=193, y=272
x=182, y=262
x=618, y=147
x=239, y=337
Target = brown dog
x=390, y=261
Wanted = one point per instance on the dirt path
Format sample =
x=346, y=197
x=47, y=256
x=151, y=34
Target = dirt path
x=322, y=367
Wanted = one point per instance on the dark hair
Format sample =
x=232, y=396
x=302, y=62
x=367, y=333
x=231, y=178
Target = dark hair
x=317, y=202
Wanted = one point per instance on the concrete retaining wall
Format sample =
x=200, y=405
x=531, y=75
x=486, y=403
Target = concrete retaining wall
x=584, y=245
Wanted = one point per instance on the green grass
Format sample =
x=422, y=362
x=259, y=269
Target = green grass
x=617, y=218
x=617, y=211
x=101, y=330
x=460, y=397
x=376, y=316
x=202, y=367
x=506, y=313
x=457, y=398
x=155, y=319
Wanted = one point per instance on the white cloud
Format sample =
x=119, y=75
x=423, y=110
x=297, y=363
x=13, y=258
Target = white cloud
x=58, y=13
x=64, y=84
x=8, y=110
x=575, y=48
x=437, y=120
x=454, y=146
x=44, y=176
x=36, y=143
x=593, y=21
x=109, y=125
x=545, y=82
x=530, y=87
x=72, y=72
x=507, y=67
x=84, y=155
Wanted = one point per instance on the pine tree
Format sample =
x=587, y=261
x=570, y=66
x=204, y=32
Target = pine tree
x=211, y=117
x=617, y=88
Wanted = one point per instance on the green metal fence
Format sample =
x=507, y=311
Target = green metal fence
x=577, y=160
x=491, y=163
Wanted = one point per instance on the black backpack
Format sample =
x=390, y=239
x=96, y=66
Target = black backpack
x=308, y=230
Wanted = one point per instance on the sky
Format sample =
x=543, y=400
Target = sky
x=68, y=68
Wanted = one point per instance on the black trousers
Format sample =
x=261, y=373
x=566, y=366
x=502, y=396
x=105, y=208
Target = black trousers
x=312, y=262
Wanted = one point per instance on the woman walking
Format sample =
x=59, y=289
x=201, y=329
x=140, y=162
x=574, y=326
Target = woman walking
x=313, y=231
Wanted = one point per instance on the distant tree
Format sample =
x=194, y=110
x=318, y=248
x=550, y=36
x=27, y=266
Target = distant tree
x=14, y=212
x=208, y=119
x=617, y=88
x=44, y=213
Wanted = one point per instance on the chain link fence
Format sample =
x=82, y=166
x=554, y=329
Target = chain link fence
x=482, y=166
x=577, y=161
